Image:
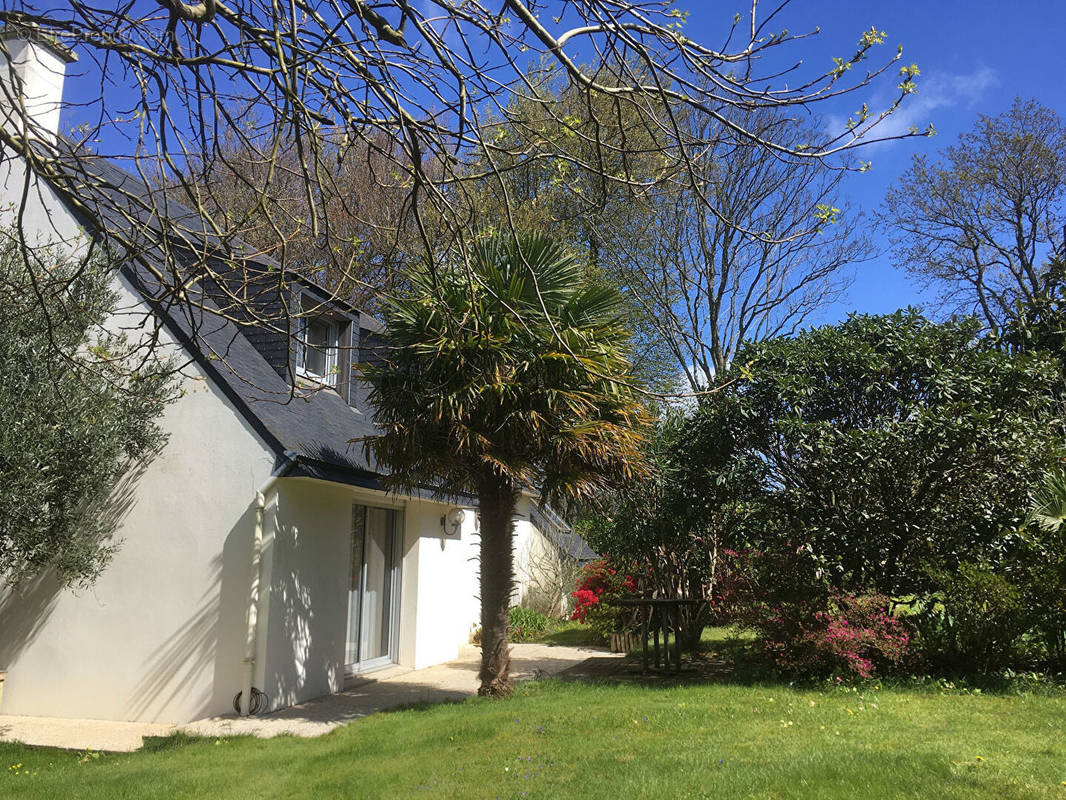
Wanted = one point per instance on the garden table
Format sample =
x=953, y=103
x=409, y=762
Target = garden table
x=660, y=614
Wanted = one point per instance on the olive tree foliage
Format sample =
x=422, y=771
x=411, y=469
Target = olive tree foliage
x=980, y=223
x=303, y=82
x=75, y=432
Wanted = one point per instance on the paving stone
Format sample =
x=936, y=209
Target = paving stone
x=390, y=688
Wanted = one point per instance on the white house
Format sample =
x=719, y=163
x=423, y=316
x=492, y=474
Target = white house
x=259, y=549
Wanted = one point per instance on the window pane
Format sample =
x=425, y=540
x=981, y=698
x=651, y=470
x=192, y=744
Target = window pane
x=317, y=333
x=318, y=339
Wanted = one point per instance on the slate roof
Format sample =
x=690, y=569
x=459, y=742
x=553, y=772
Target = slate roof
x=313, y=430
x=559, y=533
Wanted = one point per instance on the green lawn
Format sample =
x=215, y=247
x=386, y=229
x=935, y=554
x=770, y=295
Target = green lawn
x=571, y=634
x=559, y=740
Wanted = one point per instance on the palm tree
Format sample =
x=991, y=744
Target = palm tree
x=503, y=374
x=1049, y=509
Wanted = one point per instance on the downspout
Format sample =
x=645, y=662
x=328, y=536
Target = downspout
x=252, y=639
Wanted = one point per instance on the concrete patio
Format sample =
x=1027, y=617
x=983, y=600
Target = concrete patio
x=388, y=688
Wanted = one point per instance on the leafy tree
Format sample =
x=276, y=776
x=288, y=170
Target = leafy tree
x=678, y=523
x=74, y=432
x=1039, y=325
x=980, y=223
x=494, y=381
x=894, y=447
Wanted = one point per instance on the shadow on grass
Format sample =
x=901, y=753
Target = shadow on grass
x=175, y=741
x=730, y=657
x=572, y=636
x=723, y=657
x=426, y=705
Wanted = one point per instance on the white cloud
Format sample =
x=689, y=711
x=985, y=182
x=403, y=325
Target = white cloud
x=937, y=91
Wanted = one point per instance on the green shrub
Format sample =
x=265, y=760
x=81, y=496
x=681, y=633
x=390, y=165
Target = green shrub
x=526, y=624
x=79, y=404
x=977, y=623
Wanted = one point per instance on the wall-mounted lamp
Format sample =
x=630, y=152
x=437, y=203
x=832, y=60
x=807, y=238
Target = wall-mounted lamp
x=452, y=522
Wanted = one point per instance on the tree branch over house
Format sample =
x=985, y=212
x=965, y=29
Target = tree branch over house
x=310, y=84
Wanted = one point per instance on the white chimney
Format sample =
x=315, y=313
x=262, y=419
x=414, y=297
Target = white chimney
x=33, y=69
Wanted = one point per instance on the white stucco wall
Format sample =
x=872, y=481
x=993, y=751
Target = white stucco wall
x=306, y=592
x=307, y=562
x=542, y=572
x=447, y=605
x=532, y=550
x=160, y=635
x=45, y=221
x=41, y=72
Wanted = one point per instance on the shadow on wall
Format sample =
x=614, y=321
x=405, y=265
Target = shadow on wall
x=26, y=606
x=207, y=649
x=306, y=632
x=24, y=610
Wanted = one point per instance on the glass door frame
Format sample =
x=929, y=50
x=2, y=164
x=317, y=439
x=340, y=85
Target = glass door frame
x=398, y=523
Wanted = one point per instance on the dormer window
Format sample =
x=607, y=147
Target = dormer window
x=318, y=346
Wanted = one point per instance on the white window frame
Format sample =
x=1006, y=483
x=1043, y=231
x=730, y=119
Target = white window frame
x=332, y=352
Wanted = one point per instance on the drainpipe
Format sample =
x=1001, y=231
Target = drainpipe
x=251, y=640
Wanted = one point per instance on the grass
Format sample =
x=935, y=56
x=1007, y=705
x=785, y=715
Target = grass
x=718, y=739
x=571, y=634
x=558, y=740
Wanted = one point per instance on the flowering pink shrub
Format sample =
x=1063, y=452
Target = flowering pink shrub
x=855, y=637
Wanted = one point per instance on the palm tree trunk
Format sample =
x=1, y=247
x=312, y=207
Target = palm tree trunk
x=497, y=504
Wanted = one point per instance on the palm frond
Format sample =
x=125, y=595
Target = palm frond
x=1049, y=509
x=512, y=364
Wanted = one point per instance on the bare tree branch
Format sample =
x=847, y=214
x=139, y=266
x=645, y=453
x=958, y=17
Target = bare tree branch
x=980, y=223
x=303, y=89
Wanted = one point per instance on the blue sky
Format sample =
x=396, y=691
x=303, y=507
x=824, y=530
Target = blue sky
x=975, y=57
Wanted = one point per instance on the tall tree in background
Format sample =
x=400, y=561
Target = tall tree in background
x=512, y=379
x=980, y=223
x=578, y=168
x=746, y=246
x=740, y=245
x=366, y=234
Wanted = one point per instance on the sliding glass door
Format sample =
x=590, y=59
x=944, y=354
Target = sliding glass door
x=374, y=589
